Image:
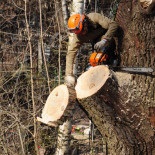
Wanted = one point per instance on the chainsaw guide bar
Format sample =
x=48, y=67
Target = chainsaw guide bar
x=134, y=69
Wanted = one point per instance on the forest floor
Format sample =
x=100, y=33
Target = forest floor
x=84, y=142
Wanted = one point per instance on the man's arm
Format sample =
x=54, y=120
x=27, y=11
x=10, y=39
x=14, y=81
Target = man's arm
x=106, y=23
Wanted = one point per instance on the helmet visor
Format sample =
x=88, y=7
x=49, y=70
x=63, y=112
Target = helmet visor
x=75, y=30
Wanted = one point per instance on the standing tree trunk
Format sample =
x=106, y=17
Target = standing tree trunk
x=138, y=47
x=64, y=131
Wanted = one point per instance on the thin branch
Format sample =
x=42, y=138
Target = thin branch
x=32, y=82
x=20, y=137
x=60, y=39
x=17, y=6
x=42, y=45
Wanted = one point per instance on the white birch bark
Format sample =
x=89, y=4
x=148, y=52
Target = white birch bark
x=64, y=11
x=64, y=133
x=78, y=6
x=63, y=140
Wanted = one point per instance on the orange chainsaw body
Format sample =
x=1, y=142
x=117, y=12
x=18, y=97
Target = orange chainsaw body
x=97, y=58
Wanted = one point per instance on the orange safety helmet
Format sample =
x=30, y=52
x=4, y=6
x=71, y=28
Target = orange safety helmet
x=97, y=57
x=75, y=23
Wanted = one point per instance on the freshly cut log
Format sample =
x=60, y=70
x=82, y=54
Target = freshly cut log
x=58, y=105
x=106, y=96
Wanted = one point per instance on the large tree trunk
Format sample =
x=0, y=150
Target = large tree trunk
x=119, y=117
x=138, y=48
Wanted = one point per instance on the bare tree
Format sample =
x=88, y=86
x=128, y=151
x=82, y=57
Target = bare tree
x=23, y=90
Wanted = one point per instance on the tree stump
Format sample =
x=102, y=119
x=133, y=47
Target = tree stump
x=59, y=105
x=120, y=120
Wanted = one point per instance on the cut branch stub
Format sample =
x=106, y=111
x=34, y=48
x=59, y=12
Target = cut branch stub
x=57, y=106
x=96, y=90
x=147, y=6
x=106, y=96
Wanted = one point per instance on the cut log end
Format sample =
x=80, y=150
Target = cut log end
x=91, y=81
x=55, y=105
x=147, y=6
x=145, y=3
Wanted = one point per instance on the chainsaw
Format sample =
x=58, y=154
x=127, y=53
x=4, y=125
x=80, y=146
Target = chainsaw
x=98, y=58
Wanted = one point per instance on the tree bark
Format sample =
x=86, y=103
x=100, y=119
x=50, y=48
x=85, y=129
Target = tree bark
x=106, y=95
x=138, y=49
x=64, y=11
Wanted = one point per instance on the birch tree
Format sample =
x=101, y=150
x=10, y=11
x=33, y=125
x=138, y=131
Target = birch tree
x=64, y=133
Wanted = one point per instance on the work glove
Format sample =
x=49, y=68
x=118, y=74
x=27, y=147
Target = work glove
x=70, y=80
x=99, y=46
